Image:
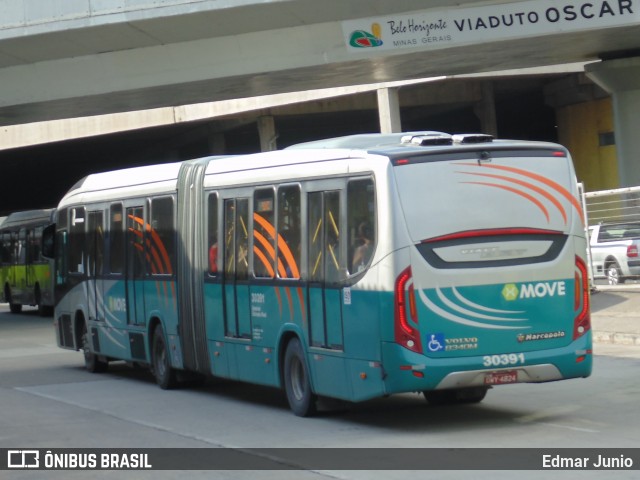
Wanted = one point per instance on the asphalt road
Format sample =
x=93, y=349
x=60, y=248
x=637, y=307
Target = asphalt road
x=48, y=400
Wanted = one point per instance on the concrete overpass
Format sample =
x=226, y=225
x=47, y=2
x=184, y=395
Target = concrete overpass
x=87, y=57
x=93, y=57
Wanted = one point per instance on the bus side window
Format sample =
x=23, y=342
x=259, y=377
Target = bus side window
x=316, y=272
x=326, y=259
x=116, y=239
x=95, y=243
x=4, y=248
x=361, y=223
x=77, y=240
x=263, y=233
x=21, y=252
x=242, y=239
x=61, y=247
x=212, y=235
x=289, y=231
x=161, y=241
x=333, y=237
x=236, y=217
x=36, y=245
x=229, y=234
x=13, y=248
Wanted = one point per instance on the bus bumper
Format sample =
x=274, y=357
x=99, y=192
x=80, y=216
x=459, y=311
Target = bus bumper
x=409, y=372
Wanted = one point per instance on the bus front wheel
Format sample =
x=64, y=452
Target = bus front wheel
x=92, y=363
x=297, y=385
x=162, y=371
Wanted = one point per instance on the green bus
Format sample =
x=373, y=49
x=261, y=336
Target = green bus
x=24, y=273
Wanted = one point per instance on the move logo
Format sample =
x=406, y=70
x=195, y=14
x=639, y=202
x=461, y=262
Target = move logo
x=512, y=292
x=117, y=304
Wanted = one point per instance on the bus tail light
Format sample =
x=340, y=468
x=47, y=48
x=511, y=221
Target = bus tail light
x=406, y=313
x=582, y=321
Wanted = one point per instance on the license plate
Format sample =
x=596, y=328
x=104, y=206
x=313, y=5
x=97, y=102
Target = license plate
x=501, y=378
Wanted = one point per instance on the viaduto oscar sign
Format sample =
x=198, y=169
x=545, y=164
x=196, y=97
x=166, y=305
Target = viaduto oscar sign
x=457, y=26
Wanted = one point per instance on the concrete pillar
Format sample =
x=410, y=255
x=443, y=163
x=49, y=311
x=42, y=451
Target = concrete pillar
x=267, y=132
x=389, y=110
x=485, y=110
x=621, y=78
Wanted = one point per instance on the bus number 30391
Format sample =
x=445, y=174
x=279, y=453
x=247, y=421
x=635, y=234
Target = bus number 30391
x=503, y=360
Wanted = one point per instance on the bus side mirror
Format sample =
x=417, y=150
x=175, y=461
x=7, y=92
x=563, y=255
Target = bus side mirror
x=49, y=241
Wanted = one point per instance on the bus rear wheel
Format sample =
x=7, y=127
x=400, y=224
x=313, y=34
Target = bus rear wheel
x=165, y=375
x=456, y=396
x=297, y=385
x=13, y=307
x=92, y=362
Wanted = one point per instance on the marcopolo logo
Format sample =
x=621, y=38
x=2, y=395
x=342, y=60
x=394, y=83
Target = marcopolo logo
x=512, y=292
x=528, y=337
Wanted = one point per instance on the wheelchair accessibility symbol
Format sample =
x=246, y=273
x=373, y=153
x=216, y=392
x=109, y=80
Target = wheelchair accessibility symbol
x=436, y=342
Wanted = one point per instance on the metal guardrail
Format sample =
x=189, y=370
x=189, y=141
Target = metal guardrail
x=619, y=205
x=608, y=206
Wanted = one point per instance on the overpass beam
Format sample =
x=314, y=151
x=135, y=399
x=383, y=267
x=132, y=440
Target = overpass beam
x=621, y=79
x=389, y=110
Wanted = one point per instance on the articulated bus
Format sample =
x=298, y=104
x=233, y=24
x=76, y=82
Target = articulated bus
x=350, y=268
x=25, y=275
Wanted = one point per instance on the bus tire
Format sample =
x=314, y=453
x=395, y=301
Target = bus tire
x=42, y=310
x=161, y=363
x=13, y=307
x=92, y=362
x=297, y=385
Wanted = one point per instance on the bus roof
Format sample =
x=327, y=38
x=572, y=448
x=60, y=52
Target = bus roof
x=408, y=143
x=27, y=218
x=164, y=177
x=364, y=141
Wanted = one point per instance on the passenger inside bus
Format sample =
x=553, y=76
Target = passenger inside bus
x=363, y=249
x=213, y=257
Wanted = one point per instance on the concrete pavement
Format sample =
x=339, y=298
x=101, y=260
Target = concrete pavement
x=615, y=314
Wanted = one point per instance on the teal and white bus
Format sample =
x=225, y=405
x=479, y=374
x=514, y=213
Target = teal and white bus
x=25, y=275
x=350, y=268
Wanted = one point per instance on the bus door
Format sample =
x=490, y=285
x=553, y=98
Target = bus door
x=135, y=265
x=236, y=268
x=326, y=268
x=95, y=246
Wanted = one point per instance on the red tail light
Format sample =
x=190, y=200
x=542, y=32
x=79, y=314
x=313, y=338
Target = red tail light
x=632, y=251
x=405, y=308
x=582, y=321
